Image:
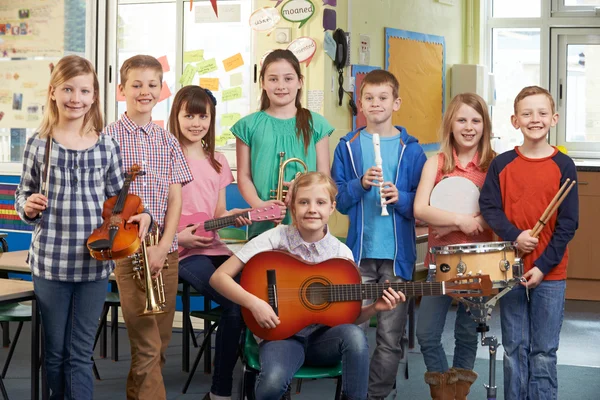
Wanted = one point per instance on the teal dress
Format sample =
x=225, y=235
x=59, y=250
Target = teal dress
x=267, y=136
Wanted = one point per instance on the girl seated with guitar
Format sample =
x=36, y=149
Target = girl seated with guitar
x=201, y=252
x=312, y=202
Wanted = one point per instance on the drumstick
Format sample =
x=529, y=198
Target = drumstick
x=563, y=196
x=544, y=216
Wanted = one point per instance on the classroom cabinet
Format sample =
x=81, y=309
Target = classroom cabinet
x=583, y=272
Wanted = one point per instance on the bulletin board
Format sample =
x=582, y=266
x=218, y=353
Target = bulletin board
x=358, y=73
x=32, y=28
x=419, y=62
x=23, y=88
x=9, y=219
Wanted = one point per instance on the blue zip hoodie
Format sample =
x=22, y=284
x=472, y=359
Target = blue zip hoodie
x=347, y=173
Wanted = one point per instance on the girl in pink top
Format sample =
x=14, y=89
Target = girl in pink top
x=192, y=122
x=465, y=151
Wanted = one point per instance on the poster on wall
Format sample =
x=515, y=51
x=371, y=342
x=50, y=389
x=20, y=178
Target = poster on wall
x=23, y=88
x=422, y=81
x=32, y=28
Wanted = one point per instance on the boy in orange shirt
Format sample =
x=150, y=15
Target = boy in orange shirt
x=519, y=186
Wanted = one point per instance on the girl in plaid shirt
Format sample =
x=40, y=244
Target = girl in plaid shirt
x=85, y=169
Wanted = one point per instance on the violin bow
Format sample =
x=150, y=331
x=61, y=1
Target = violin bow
x=46, y=181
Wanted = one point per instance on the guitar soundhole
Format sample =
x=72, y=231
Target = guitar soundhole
x=445, y=268
x=315, y=294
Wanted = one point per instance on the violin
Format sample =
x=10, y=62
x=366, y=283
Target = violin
x=116, y=238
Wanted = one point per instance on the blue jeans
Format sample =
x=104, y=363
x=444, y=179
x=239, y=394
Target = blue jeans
x=280, y=359
x=430, y=325
x=197, y=270
x=530, y=334
x=70, y=312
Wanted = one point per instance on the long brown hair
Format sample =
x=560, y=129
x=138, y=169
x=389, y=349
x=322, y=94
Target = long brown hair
x=484, y=148
x=194, y=100
x=303, y=115
x=67, y=68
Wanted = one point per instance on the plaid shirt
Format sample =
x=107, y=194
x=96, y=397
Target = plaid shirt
x=80, y=182
x=158, y=152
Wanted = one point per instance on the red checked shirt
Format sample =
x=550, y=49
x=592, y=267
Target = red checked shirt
x=158, y=152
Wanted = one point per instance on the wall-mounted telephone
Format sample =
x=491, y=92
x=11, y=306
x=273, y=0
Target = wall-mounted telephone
x=340, y=61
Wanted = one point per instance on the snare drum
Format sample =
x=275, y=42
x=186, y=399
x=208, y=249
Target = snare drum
x=497, y=259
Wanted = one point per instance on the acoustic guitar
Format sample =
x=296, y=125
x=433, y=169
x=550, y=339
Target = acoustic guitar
x=208, y=227
x=328, y=293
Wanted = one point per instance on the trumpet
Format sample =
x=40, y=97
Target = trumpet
x=153, y=288
x=279, y=193
x=379, y=164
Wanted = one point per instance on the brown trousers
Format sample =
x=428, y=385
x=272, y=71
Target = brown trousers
x=149, y=336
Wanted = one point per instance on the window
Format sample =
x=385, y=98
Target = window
x=547, y=47
x=78, y=37
x=516, y=64
x=516, y=9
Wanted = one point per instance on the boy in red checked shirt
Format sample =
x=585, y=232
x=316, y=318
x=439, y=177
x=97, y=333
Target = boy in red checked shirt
x=158, y=152
x=519, y=186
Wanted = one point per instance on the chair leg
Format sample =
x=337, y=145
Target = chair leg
x=95, y=369
x=298, y=385
x=338, y=389
x=197, y=360
x=102, y=324
x=3, y=390
x=103, y=339
x=247, y=384
x=114, y=333
x=12, y=349
x=192, y=334
x=5, y=334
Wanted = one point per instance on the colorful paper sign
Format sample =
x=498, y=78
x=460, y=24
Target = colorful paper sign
x=236, y=79
x=233, y=62
x=231, y=94
x=304, y=49
x=329, y=45
x=298, y=11
x=230, y=119
x=193, y=56
x=165, y=92
x=329, y=20
x=207, y=66
x=264, y=19
x=165, y=63
x=188, y=75
x=211, y=84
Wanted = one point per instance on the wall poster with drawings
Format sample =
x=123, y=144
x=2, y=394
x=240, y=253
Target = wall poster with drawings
x=32, y=28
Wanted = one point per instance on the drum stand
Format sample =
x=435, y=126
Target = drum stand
x=481, y=312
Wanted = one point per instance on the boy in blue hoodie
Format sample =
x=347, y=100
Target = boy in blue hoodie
x=384, y=246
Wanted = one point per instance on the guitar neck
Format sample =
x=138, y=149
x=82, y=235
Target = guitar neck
x=372, y=291
x=219, y=223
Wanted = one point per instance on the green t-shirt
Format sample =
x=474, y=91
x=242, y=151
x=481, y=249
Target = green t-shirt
x=267, y=136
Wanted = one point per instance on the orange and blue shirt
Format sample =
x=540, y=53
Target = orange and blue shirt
x=514, y=196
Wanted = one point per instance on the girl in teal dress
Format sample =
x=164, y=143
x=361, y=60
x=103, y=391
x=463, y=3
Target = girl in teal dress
x=281, y=125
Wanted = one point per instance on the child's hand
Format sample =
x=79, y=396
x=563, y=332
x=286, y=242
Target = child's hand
x=441, y=231
x=240, y=221
x=389, y=300
x=533, y=277
x=372, y=177
x=35, y=204
x=526, y=243
x=468, y=224
x=288, y=196
x=143, y=220
x=276, y=202
x=389, y=191
x=156, y=259
x=188, y=240
x=263, y=314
